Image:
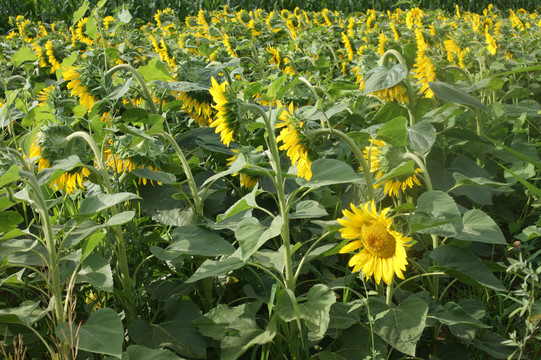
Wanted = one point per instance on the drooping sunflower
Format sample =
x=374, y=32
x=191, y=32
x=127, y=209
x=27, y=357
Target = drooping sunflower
x=74, y=76
x=45, y=95
x=275, y=59
x=294, y=142
x=348, y=46
x=52, y=56
x=383, y=158
x=226, y=122
x=198, y=105
x=246, y=181
x=382, y=250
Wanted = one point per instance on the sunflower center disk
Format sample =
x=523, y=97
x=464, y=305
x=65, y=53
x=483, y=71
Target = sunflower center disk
x=377, y=240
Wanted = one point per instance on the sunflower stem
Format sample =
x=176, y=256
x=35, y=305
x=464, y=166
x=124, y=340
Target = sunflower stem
x=290, y=280
x=140, y=80
x=384, y=60
x=356, y=151
x=187, y=172
x=122, y=258
x=389, y=294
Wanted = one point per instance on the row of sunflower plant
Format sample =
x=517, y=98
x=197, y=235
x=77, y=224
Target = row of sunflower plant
x=284, y=184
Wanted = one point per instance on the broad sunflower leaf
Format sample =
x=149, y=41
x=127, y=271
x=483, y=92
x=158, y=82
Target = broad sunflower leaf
x=381, y=77
x=329, y=172
x=96, y=271
x=154, y=70
x=480, y=227
x=11, y=175
x=436, y=213
x=27, y=314
x=211, y=268
x=251, y=234
x=464, y=266
x=402, y=326
x=95, y=203
x=452, y=94
x=138, y=352
x=24, y=54
x=394, y=132
x=102, y=333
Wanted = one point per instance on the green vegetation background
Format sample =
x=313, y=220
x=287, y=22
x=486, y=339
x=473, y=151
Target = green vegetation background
x=57, y=10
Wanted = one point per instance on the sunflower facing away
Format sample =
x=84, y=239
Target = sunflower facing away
x=382, y=160
x=382, y=250
x=294, y=142
x=226, y=121
x=246, y=181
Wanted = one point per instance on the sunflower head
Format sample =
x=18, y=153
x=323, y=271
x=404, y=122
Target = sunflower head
x=53, y=146
x=384, y=158
x=248, y=178
x=382, y=252
x=227, y=120
x=295, y=142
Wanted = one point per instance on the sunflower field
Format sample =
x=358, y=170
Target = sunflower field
x=271, y=184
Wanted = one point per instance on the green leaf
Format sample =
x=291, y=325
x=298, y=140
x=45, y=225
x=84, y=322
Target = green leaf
x=91, y=29
x=160, y=176
x=453, y=314
x=308, y=209
x=406, y=168
x=394, y=132
x=244, y=335
x=138, y=352
x=275, y=87
x=10, y=176
x=95, y=203
x=452, y=94
x=184, y=86
x=97, y=272
x=534, y=190
x=356, y=343
x=26, y=314
x=315, y=310
x=90, y=244
x=102, y=333
x=402, y=326
x=329, y=172
x=245, y=203
x=211, y=268
x=197, y=241
x=480, y=227
x=495, y=345
x=436, y=213
x=465, y=180
x=464, y=266
x=154, y=70
x=381, y=77
x=9, y=219
x=125, y=16
x=251, y=235
x=24, y=54
x=120, y=219
x=421, y=137
x=77, y=15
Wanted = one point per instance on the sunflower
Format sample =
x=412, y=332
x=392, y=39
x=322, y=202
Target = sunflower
x=246, y=181
x=383, y=252
x=53, y=60
x=294, y=142
x=347, y=45
x=197, y=105
x=71, y=180
x=492, y=46
x=122, y=165
x=382, y=160
x=73, y=75
x=275, y=59
x=226, y=120
x=45, y=95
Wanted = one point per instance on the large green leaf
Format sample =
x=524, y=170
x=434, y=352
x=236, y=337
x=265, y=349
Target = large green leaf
x=452, y=314
x=452, y=94
x=178, y=333
x=26, y=314
x=244, y=203
x=154, y=70
x=9, y=220
x=211, y=268
x=381, y=77
x=329, y=172
x=11, y=175
x=356, y=344
x=198, y=241
x=480, y=227
x=394, y=132
x=96, y=271
x=251, y=234
x=244, y=334
x=402, y=326
x=102, y=333
x=466, y=267
x=139, y=352
x=421, y=137
x=95, y=203
x=315, y=310
x=163, y=177
x=436, y=213
x=22, y=55
x=308, y=209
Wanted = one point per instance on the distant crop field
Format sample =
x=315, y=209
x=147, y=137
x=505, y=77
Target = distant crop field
x=217, y=181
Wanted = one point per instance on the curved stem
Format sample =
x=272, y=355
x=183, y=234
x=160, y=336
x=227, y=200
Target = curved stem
x=139, y=79
x=187, y=172
x=126, y=280
x=422, y=166
x=356, y=151
x=299, y=267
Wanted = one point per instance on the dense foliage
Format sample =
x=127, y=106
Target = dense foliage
x=271, y=184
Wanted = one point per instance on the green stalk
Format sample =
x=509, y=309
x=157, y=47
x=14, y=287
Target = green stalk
x=125, y=279
x=384, y=60
x=140, y=80
x=290, y=280
x=187, y=171
x=356, y=151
